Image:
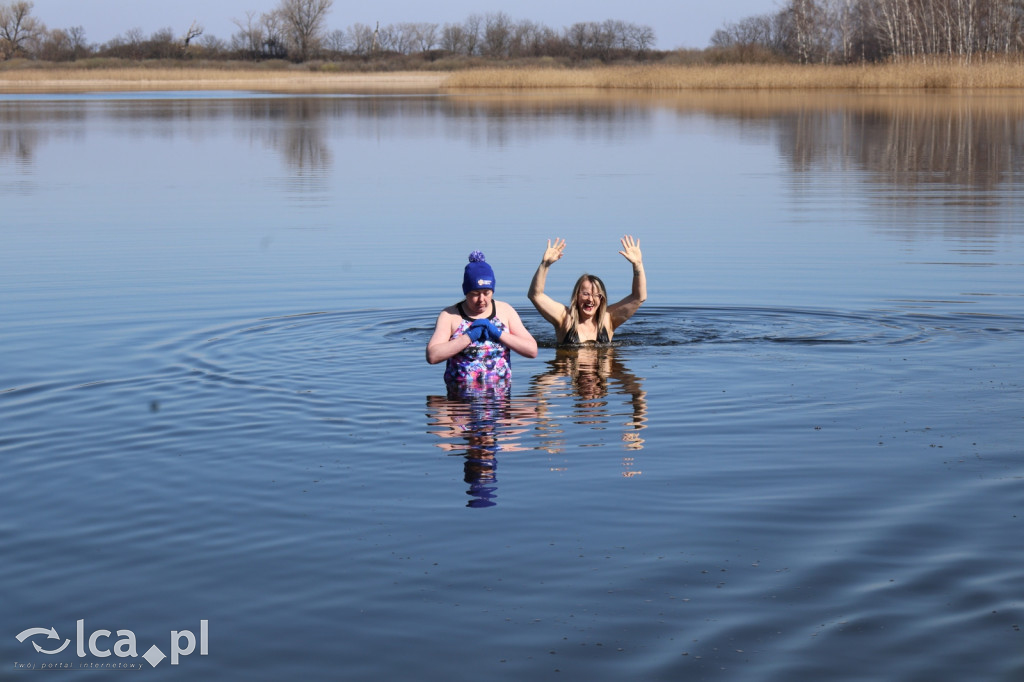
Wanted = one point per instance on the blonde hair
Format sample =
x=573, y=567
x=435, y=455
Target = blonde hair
x=602, y=308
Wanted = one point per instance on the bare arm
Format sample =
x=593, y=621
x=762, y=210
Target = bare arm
x=624, y=309
x=550, y=309
x=517, y=337
x=441, y=346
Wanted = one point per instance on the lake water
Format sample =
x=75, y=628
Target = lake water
x=802, y=460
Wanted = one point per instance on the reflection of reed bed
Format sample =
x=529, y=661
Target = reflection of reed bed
x=613, y=104
x=754, y=104
x=973, y=141
x=917, y=75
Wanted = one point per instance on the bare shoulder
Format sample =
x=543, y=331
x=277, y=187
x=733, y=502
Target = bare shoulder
x=449, y=317
x=453, y=309
x=504, y=311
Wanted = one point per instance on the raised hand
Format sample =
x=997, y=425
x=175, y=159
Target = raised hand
x=554, y=251
x=631, y=250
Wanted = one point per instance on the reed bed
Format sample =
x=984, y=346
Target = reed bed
x=919, y=75
x=54, y=79
x=1001, y=74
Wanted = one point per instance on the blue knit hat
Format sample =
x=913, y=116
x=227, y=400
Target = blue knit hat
x=478, y=275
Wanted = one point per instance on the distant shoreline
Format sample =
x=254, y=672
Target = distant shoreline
x=54, y=80
x=946, y=76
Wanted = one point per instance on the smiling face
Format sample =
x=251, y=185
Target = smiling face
x=589, y=294
x=478, y=301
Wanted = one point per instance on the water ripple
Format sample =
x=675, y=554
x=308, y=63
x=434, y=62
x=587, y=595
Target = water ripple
x=741, y=489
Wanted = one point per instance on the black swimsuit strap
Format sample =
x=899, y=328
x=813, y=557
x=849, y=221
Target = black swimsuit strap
x=572, y=337
x=462, y=311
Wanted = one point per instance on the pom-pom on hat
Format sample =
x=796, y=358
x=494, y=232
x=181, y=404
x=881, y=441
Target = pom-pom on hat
x=478, y=275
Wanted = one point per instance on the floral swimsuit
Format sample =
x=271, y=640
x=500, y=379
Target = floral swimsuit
x=484, y=364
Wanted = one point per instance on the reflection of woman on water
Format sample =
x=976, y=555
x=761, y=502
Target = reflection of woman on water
x=588, y=317
x=478, y=428
x=476, y=334
x=593, y=373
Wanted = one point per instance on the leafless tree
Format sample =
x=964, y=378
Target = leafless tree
x=579, y=37
x=161, y=45
x=132, y=42
x=359, y=39
x=606, y=37
x=497, y=33
x=529, y=39
x=453, y=38
x=426, y=36
x=840, y=21
x=806, y=35
x=249, y=38
x=193, y=32
x=56, y=46
x=212, y=45
x=472, y=30
x=18, y=27
x=275, y=40
x=1006, y=25
x=336, y=41
x=79, y=45
x=410, y=37
x=402, y=37
x=386, y=39
x=303, y=23
x=953, y=28
x=848, y=30
x=748, y=36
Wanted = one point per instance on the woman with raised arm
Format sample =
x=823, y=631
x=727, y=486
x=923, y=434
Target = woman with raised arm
x=477, y=334
x=588, y=318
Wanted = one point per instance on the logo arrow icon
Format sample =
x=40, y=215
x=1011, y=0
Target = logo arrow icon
x=55, y=651
x=50, y=634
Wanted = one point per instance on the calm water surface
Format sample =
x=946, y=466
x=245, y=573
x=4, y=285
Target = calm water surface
x=801, y=460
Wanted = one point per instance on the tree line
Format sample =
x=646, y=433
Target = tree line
x=849, y=31
x=296, y=30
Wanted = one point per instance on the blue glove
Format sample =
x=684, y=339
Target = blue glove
x=477, y=330
x=491, y=331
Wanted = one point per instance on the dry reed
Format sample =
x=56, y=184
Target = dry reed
x=918, y=75
x=54, y=79
x=1004, y=74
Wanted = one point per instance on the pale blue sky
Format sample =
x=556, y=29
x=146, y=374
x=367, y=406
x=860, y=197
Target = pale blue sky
x=677, y=23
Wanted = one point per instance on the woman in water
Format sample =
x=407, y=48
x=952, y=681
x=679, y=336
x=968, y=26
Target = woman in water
x=588, y=317
x=477, y=334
